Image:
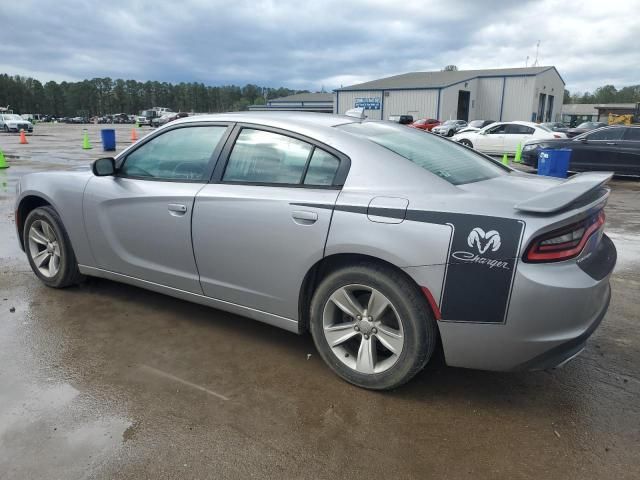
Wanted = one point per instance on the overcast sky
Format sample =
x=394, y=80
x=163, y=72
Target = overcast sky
x=310, y=44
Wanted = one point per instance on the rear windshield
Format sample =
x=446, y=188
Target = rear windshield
x=450, y=161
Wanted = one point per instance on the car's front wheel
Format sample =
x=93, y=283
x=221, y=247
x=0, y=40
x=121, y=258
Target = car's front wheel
x=450, y=133
x=466, y=143
x=49, y=250
x=372, y=326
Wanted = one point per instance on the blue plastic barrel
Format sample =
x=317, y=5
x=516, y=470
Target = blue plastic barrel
x=554, y=162
x=108, y=139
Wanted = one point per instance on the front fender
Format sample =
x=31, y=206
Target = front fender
x=64, y=192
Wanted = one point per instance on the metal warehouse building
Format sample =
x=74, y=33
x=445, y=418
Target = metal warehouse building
x=534, y=93
x=300, y=102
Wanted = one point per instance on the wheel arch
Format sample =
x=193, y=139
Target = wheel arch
x=327, y=265
x=27, y=204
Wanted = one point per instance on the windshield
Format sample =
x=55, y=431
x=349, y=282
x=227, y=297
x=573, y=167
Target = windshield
x=587, y=125
x=449, y=122
x=12, y=117
x=452, y=162
x=544, y=127
x=476, y=123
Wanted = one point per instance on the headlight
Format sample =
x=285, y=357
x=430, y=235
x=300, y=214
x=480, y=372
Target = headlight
x=526, y=148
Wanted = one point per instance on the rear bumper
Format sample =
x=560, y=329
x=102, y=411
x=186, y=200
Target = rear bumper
x=561, y=354
x=554, y=309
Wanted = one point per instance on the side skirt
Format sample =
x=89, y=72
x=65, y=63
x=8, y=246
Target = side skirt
x=259, y=315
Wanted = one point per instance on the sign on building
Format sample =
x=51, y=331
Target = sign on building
x=368, y=103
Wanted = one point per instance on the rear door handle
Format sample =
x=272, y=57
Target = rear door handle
x=177, y=208
x=304, y=217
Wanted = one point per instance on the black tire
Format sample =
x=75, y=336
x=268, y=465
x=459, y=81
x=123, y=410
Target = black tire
x=420, y=330
x=6, y=129
x=68, y=273
x=466, y=143
x=450, y=133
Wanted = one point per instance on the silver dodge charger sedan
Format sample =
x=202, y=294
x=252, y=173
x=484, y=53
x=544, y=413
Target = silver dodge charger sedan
x=379, y=239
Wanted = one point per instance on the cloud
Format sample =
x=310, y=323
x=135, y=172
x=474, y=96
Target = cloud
x=314, y=44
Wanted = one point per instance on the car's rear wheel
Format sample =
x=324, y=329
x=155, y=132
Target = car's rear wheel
x=466, y=143
x=372, y=326
x=49, y=249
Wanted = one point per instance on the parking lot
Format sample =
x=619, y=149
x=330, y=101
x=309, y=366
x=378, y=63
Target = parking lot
x=110, y=381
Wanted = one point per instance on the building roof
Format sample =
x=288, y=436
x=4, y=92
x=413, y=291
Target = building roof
x=615, y=106
x=442, y=79
x=579, y=109
x=305, y=97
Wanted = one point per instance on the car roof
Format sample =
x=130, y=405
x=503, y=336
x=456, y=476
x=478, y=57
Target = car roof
x=279, y=119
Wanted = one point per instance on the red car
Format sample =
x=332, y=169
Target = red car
x=426, y=123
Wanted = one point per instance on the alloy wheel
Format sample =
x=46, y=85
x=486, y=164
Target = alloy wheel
x=363, y=329
x=44, y=248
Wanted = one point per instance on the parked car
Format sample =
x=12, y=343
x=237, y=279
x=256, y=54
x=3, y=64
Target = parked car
x=401, y=119
x=425, y=124
x=504, y=137
x=476, y=125
x=449, y=128
x=615, y=148
x=584, y=127
x=556, y=127
x=400, y=240
x=11, y=122
x=120, y=118
x=168, y=117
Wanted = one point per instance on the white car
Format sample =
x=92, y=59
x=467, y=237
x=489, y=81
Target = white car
x=504, y=137
x=449, y=128
x=10, y=122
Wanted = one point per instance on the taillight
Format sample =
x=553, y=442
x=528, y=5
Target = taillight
x=564, y=243
x=555, y=135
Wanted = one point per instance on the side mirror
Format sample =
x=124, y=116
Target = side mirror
x=104, y=167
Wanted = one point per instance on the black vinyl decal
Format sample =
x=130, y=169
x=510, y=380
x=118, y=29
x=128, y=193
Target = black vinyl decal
x=481, y=263
x=481, y=268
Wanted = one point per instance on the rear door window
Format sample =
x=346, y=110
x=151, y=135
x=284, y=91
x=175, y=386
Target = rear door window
x=632, y=134
x=515, y=129
x=607, y=134
x=322, y=169
x=259, y=156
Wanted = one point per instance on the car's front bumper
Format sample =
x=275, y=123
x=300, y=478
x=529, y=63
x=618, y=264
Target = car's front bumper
x=554, y=309
x=17, y=128
x=530, y=157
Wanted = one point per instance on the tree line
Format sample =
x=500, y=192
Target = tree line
x=102, y=96
x=605, y=94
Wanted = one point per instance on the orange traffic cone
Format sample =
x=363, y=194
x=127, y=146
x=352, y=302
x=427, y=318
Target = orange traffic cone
x=134, y=135
x=23, y=137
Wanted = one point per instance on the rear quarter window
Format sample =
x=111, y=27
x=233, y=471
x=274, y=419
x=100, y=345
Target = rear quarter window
x=450, y=161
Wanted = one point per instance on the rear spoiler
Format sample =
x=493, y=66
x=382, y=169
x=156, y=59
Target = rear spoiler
x=564, y=194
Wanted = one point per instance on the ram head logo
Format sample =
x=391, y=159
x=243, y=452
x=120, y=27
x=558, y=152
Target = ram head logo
x=484, y=241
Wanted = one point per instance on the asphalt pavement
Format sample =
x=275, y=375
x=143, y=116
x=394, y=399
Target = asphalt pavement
x=106, y=380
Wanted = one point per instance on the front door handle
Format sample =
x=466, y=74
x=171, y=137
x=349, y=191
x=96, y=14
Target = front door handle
x=177, y=209
x=304, y=217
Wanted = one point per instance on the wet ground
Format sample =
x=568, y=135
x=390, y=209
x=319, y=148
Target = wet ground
x=110, y=381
